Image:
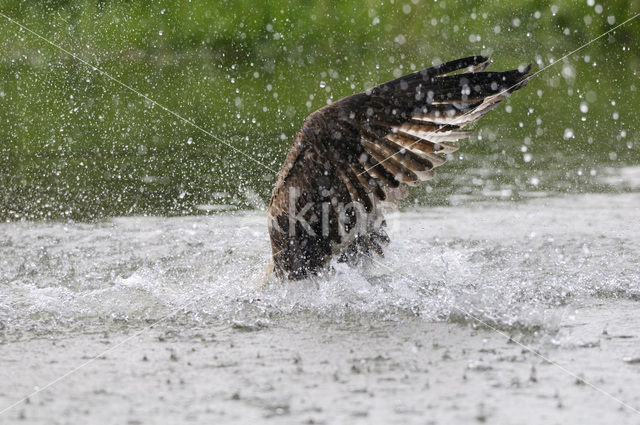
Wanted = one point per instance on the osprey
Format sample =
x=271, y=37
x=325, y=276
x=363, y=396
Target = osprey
x=354, y=155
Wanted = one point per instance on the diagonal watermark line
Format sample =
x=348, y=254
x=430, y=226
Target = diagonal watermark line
x=479, y=320
x=96, y=357
x=519, y=343
x=528, y=77
x=585, y=45
x=144, y=96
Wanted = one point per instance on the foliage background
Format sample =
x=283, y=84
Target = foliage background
x=76, y=145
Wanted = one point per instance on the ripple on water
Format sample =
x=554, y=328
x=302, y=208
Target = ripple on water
x=508, y=265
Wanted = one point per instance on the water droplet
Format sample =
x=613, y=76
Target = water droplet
x=568, y=133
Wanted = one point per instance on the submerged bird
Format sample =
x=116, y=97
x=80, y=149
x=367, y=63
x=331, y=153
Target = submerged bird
x=352, y=157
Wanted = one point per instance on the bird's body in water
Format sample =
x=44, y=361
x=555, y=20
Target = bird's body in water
x=360, y=153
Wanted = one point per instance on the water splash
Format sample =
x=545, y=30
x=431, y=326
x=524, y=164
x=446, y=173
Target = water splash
x=515, y=266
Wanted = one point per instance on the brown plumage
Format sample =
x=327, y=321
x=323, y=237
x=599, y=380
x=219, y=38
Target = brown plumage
x=353, y=155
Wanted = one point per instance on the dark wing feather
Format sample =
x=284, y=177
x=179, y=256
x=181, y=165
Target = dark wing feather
x=367, y=148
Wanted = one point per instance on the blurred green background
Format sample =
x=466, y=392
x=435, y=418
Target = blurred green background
x=76, y=145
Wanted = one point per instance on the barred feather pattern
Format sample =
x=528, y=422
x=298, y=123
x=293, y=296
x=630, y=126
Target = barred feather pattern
x=357, y=156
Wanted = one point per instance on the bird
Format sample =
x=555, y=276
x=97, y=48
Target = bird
x=355, y=157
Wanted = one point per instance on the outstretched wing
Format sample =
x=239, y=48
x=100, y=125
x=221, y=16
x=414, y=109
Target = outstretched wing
x=366, y=149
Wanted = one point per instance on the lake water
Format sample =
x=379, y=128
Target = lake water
x=194, y=331
x=509, y=293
